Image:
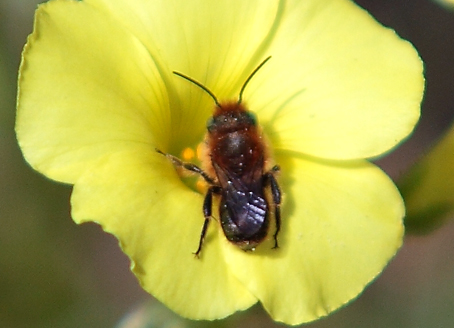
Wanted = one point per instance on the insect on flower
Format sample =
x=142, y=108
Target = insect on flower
x=237, y=155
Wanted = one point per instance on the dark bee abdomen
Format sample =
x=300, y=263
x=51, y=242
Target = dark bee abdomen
x=244, y=217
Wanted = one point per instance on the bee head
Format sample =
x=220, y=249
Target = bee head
x=231, y=117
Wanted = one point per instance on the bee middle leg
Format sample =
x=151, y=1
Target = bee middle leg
x=207, y=210
x=276, y=194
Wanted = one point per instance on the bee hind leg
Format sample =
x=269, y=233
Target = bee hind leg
x=276, y=193
x=207, y=210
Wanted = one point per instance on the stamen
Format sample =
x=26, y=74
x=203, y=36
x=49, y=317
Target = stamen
x=200, y=151
x=201, y=186
x=187, y=154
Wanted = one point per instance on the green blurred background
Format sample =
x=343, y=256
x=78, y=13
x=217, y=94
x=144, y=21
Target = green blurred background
x=54, y=273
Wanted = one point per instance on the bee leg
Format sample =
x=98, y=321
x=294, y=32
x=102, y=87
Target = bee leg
x=276, y=193
x=207, y=208
x=188, y=166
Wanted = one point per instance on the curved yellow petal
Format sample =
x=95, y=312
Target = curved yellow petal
x=217, y=43
x=339, y=85
x=87, y=88
x=342, y=223
x=139, y=199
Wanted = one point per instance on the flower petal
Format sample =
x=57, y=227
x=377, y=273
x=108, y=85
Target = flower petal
x=448, y=4
x=158, y=221
x=339, y=85
x=206, y=40
x=341, y=225
x=86, y=88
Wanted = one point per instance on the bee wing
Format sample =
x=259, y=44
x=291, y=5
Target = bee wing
x=244, y=200
x=248, y=181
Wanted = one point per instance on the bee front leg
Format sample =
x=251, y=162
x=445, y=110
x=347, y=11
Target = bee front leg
x=207, y=210
x=188, y=166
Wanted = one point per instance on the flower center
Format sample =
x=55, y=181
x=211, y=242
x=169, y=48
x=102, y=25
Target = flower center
x=194, y=156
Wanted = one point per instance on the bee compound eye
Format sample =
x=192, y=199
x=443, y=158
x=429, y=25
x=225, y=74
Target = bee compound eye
x=211, y=124
x=252, y=118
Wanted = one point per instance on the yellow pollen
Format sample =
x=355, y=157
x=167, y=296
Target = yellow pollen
x=199, y=151
x=187, y=154
x=201, y=186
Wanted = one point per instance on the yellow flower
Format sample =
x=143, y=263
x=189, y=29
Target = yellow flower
x=97, y=95
x=449, y=4
x=428, y=188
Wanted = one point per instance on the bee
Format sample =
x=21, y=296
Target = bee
x=237, y=157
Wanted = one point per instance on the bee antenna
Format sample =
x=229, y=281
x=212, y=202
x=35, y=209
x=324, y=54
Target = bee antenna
x=200, y=85
x=240, y=97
